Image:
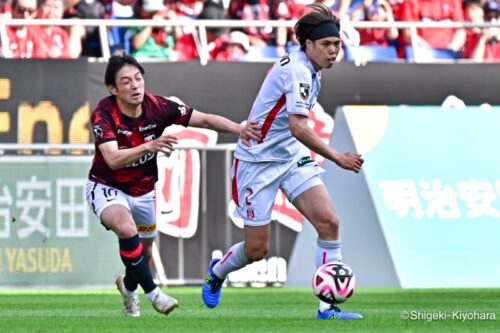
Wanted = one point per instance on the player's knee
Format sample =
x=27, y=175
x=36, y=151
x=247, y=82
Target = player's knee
x=328, y=226
x=126, y=231
x=256, y=253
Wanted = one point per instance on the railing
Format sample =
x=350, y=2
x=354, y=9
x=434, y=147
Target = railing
x=199, y=27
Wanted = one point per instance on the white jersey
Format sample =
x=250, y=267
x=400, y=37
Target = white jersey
x=291, y=87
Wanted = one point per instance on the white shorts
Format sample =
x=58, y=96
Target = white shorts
x=142, y=208
x=255, y=186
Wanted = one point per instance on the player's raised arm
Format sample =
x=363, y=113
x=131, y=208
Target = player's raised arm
x=220, y=124
x=302, y=132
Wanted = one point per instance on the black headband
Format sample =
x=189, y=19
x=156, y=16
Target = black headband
x=328, y=29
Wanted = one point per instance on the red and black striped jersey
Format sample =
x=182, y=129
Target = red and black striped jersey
x=109, y=123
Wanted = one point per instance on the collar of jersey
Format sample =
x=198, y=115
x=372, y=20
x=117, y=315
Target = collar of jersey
x=308, y=63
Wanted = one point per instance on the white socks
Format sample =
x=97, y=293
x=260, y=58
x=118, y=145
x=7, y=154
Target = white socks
x=152, y=294
x=328, y=251
x=127, y=292
x=233, y=260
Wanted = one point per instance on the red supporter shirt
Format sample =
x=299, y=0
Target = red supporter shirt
x=373, y=37
x=23, y=43
x=110, y=124
x=186, y=47
x=53, y=44
x=491, y=50
x=437, y=11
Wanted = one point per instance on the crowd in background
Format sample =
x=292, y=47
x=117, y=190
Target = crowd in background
x=182, y=43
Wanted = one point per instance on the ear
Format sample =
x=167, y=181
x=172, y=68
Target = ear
x=309, y=43
x=112, y=90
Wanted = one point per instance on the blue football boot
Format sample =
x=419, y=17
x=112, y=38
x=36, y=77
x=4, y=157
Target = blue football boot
x=335, y=313
x=211, y=289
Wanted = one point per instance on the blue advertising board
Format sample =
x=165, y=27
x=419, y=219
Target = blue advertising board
x=434, y=177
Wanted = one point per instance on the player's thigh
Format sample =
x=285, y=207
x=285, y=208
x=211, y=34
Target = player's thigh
x=143, y=212
x=111, y=207
x=255, y=186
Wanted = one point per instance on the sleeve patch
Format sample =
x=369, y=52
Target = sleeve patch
x=304, y=89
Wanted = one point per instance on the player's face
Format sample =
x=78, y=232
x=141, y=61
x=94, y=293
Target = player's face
x=323, y=52
x=129, y=85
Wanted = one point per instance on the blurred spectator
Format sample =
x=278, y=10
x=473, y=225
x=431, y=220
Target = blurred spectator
x=236, y=47
x=5, y=8
x=378, y=11
x=261, y=10
x=187, y=8
x=396, y=6
x=435, y=11
x=187, y=46
x=54, y=40
x=151, y=42
x=21, y=41
x=482, y=43
x=116, y=35
x=295, y=9
x=88, y=37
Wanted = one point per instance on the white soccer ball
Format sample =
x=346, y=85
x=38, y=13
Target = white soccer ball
x=334, y=282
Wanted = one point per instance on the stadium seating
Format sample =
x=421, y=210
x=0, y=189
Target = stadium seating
x=368, y=53
x=426, y=54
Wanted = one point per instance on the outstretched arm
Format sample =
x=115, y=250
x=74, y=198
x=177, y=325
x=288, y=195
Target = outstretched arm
x=119, y=158
x=302, y=132
x=220, y=124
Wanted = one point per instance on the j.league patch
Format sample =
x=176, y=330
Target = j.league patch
x=304, y=91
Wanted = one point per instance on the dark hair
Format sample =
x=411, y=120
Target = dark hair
x=317, y=14
x=115, y=63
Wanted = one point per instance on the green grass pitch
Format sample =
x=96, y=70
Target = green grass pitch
x=253, y=310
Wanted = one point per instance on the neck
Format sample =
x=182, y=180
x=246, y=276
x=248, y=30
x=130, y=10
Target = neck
x=315, y=65
x=133, y=111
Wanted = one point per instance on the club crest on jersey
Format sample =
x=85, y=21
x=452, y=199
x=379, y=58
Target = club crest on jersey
x=304, y=91
x=98, y=132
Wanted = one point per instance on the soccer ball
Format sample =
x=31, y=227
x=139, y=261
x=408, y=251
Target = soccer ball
x=334, y=282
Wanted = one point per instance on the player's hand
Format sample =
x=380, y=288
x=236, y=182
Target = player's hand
x=164, y=143
x=251, y=130
x=350, y=161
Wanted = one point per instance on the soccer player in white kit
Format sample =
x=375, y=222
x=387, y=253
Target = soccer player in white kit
x=281, y=160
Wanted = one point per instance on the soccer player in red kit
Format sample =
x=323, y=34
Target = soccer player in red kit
x=128, y=128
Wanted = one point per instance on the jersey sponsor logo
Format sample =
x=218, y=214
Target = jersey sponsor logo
x=147, y=128
x=98, y=132
x=304, y=90
x=304, y=160
x=124, y=132
x=144, y=159
x=150, y=137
